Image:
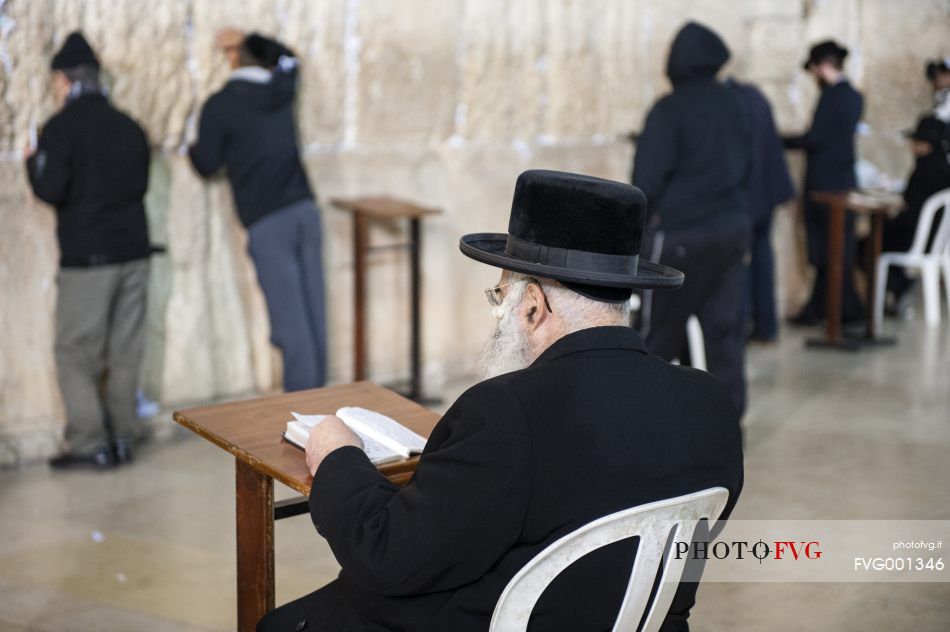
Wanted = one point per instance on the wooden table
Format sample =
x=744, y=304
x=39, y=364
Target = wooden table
x=386, y=209
x=839, y=203
x=251, y=431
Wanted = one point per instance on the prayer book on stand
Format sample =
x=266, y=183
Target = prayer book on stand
x=384, y=439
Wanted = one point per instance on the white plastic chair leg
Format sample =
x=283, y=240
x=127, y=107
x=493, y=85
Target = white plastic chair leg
x=946, y=280
x=883, y=266
x=697, y=344
x=930, y=276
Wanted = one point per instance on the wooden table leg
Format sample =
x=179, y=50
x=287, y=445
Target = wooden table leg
x=835, y=280
x=254, y=504
x=360, y=245
x=835, y=273
x=415, y=277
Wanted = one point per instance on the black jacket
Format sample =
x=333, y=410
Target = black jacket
x=694, y=152
x=92, y=163
x=595, y=425
x=931, y=174
x=248, y=128
x=829, y=142
x=769, y=183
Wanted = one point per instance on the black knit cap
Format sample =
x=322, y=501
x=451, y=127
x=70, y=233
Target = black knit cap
x=582, y=231
x=74, y=52
x=824, y=51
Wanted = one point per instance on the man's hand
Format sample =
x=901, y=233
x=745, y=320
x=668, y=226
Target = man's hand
x=28, y=151
x=228, y=38
x=327, y=436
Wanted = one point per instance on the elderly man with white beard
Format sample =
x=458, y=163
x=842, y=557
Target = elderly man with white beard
x=574, y=421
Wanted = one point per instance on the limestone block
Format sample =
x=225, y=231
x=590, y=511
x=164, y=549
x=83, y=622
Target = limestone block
x=148, y=81
x=777, y=43
x=208, y=350
x=502, y=65
x=407, y=73
x=29, y=260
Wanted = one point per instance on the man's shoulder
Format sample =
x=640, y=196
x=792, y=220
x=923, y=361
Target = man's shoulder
x=499, y=391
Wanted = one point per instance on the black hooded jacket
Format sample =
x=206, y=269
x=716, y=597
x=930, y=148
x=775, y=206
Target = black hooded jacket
x=694, y=153
x=248, y=127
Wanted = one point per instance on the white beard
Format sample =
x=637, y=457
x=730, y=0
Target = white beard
x=508, y=349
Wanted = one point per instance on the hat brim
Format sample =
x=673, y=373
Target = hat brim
x=489, y=248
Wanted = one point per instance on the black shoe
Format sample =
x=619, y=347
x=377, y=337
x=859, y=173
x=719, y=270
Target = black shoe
x=123, y=451
x=101, y=459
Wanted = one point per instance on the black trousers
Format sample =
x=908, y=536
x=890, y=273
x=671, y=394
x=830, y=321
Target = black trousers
x=329, y=608
x=711, y=257
x=760, y=288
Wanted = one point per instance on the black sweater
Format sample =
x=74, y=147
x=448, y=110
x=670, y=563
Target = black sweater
x=92, y=164
x=694, y=153
x=248, y=127
x=829, y=142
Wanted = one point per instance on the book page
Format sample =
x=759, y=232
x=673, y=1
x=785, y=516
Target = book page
x=384, y=429
x=376, y=451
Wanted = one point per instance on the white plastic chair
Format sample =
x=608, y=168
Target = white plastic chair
x=654, y=523
x=931, y=263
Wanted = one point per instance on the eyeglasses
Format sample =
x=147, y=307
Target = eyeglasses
x=496, y=297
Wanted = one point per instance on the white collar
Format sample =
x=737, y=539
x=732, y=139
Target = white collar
x=253, y=74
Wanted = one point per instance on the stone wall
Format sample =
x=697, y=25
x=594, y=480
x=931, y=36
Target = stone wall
x=442, y=101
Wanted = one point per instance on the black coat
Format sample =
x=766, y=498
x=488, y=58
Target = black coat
x=829, y=142
x=595, y=425
x=694, y=153
x=92, y=164
x=248, y=128
x=931, y=174
x=769, y=183
x=829, y=151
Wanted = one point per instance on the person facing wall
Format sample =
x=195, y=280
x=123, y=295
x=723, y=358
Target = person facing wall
x=829, y=150
x=248, y=128
x=938, y=74
x=692, y=162
x=769, y=185
x=91, y=163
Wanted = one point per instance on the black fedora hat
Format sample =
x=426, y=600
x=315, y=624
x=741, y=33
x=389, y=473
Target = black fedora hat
x=828, y=49
x=582, y=231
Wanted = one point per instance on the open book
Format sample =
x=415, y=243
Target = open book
x=384, y=438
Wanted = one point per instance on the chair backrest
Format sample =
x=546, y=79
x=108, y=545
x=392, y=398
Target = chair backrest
x=656, y=523
x=940, y=199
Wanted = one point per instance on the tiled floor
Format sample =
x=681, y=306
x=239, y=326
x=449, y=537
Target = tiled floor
x=829, y=435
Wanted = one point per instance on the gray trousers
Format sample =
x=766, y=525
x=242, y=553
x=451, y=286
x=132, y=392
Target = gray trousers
x=285, y=246
x=100, y=314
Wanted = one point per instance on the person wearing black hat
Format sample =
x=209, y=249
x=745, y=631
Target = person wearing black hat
x=91, y=163
x=937, y=72
x=693, y=161
x=829, y=151
x=248, y=128
x=577, y=422
x=930, y=144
